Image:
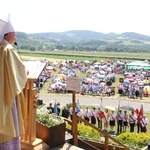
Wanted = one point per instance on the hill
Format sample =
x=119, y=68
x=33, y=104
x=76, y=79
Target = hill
x=85, y=40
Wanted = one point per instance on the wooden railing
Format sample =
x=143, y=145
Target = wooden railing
x=106, y=136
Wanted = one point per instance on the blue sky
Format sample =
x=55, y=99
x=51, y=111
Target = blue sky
x=35, y=16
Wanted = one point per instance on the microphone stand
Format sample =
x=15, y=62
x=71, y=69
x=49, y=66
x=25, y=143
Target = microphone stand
x=15, y=43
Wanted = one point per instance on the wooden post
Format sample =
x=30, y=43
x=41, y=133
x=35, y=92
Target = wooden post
x=73, y=84
x=106, y=143
x=29, y=140
x=74, y=128
x=148, y=145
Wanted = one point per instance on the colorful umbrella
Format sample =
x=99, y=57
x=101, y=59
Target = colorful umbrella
x=126, y=107
x=110, y=108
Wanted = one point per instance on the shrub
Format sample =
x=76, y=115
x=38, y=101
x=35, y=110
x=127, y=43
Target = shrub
x=87, y=132
x=134, y=140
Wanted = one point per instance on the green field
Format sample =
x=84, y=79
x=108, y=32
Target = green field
x=86, y=56
x=91, y=56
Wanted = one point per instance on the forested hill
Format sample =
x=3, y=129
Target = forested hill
x=84, y=40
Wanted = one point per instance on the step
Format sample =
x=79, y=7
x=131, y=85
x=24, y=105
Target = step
x=66, y=146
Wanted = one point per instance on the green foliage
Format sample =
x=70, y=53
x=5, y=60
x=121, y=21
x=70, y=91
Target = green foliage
x=134, y=140
x=85, y=41
x=47, y=119
x=40, y=106
x=86, y=132
x=69, y=105
x=32, y=48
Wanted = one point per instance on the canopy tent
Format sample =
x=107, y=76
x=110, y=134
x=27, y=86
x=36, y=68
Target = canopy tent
x=136, y=65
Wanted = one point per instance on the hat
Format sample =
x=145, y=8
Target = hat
x=51, y=102
x=6, y=27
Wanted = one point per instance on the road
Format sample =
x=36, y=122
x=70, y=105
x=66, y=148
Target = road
x=89, y=100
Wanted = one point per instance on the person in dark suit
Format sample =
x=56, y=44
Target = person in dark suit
x=65, y=112
x=51, y=108
x=58, y=108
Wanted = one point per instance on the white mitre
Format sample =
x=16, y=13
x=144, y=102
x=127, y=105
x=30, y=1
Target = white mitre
x=6, y=27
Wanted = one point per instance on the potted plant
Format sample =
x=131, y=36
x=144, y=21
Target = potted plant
x=48, y=126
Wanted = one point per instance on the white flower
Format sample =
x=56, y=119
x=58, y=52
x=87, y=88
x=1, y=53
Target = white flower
x=44, y=117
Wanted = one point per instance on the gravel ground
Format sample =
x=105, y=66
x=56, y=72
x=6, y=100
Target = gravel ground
x=89, y=100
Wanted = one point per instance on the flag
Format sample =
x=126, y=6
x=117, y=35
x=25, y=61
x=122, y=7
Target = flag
x=140, y=115
x=55, y=108
x=101, y=106
x=78, y=107
x=118, y=109
x=137, y=111
x=101, y=115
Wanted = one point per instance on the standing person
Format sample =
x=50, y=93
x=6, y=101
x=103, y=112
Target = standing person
x=58, y=108
x=65, y=112
x=106, y=119
x=100, y=115
x=119, y=122
x=51, y=108
x=112, y=121
x=87, y=114
x=80, y=113
x=13, y=79
x=144, y=122
x=141, y=92
x=132, y=121
x=93, y=116
x=71, y=112
x=136, y=91
x=125, y=121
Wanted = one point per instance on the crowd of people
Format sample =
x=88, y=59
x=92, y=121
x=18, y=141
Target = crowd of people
x=135, y=84
x=100, y=78
x=107, y=119
x=98, y=74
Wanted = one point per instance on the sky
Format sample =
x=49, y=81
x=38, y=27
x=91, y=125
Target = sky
x=106, y=16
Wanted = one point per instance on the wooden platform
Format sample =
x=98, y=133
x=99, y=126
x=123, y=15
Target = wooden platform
x=38, y=144
x=66, y=146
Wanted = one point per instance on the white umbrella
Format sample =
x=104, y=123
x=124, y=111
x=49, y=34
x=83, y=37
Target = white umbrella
x=110, y=108
x=50, y=67
x=55, y=63
x=86, y=61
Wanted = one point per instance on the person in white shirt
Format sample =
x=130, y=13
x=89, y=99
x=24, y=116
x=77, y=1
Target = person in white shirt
x=71, y=112
x=119, y=121
x=132, y=121
x=144, y=123
x=125, y=121
x=93, y=116
x=100, y=115
x=87, y=114
x=112, y=121
x=80, y=113
x=106, y=119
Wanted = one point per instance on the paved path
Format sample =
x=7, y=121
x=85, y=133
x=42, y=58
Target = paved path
x=89, y=100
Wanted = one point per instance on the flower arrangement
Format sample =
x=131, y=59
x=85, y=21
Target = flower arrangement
x=44, y=117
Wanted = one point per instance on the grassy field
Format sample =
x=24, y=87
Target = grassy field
x=91, y=56
x=95, y=56
x=44, y=91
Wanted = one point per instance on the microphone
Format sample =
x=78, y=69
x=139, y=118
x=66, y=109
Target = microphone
x=15, y=43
